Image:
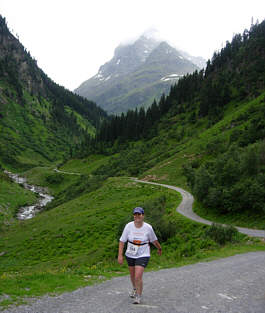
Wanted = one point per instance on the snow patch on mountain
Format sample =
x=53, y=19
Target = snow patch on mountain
x=99, y=76
x=171, y=77
x=109, y=77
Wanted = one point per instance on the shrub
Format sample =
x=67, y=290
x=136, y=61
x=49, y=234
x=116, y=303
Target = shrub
x=222, y=233
x=189, y=248
x=54, y=178
x=155, y=211
x=156, y=215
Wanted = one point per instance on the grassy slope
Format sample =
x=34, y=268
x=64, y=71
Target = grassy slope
x=29, y=133
x=195, y=146
x=83, y=123
x=197, y=136
x=31, y=140
x=86, y=165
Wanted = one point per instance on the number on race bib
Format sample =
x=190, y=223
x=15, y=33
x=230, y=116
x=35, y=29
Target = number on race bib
x=132, y=249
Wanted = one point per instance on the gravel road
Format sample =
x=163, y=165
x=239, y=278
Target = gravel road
x=185, y=208
x=231, y=285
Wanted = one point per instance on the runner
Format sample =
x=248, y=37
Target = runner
x=138, y=234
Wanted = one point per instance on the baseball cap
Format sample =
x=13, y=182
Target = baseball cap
x=138, y=210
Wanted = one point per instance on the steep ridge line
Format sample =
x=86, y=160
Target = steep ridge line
x=185, y=208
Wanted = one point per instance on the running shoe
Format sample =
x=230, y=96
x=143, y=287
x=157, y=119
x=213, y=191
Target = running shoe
x=137, y=299
x=132, y=294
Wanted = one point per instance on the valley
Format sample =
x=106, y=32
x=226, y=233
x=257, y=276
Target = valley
x=205, y=136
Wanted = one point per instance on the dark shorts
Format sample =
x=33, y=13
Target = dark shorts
x=138, y=262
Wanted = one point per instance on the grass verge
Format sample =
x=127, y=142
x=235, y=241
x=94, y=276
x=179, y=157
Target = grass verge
x=246, y=219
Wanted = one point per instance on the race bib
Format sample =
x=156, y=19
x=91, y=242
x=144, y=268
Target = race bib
x=132, y=249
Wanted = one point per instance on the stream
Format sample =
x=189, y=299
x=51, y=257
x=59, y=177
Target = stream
x=30, y=211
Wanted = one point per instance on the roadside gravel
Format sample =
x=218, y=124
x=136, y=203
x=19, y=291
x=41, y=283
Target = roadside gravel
x=230, y=285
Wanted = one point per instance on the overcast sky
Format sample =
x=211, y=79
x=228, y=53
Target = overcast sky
x=70, y=39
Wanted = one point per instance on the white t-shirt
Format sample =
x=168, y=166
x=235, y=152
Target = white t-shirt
x=144, y=234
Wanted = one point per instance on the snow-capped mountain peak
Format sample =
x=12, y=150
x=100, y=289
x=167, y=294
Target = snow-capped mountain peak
x=138, y=72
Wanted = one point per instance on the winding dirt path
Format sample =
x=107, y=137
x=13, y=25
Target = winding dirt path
x=185, y=208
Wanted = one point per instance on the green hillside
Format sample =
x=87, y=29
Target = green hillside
x=40, y=122
x=206, y=136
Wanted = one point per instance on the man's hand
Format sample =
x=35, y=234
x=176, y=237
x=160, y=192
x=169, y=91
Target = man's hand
x=120, y=259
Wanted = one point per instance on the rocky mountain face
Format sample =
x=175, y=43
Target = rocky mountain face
x=137, y=74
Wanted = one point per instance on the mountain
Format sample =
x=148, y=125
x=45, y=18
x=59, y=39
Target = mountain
x=40, y=121
x=137, y=74
x=210, y=129
x=199, y=61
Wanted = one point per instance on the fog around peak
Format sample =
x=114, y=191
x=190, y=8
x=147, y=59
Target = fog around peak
x=149, y=33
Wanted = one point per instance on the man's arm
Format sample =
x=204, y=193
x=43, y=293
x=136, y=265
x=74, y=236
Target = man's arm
x=158, y=246
x=120, y=256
